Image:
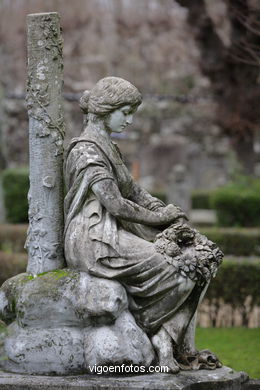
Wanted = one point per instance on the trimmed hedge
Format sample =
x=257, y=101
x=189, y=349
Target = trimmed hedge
x=235, y=281
x=235, y=241
x=15, y=189
x=232, y=241
x=238, y=204
x=200, y=199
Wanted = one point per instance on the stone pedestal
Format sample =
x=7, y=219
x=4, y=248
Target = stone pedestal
x=66, y=322
x=220, y=379
x=63, y=322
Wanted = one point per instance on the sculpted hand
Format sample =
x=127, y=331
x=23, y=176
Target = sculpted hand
x=171, y=213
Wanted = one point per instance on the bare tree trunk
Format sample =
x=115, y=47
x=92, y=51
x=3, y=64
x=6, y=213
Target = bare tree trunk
x=233, y=71
x=46, y=133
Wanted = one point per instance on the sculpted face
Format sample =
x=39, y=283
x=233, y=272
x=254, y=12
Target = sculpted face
x=120, y=118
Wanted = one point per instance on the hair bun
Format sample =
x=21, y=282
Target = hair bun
x=83, y=101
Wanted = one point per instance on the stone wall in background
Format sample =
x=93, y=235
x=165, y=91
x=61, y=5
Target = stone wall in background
x=149, y=43
x=165, y=135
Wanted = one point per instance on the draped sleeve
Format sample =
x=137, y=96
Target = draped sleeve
x=86, y=158
x=85, y=165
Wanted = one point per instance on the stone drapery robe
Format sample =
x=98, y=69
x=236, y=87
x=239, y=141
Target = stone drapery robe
x=98, y=243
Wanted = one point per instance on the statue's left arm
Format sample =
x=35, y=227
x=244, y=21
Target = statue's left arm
x=144, y=199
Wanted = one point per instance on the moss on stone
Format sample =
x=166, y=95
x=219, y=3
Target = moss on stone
x=2, y=327
x=13, y=305
x=56, y=274
x=46, y=281
x=49, y=284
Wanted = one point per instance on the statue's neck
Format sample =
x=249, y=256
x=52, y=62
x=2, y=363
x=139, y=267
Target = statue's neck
x=98, y=126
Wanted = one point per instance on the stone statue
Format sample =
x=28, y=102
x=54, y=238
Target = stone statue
x=136, y=271
x=116, y=230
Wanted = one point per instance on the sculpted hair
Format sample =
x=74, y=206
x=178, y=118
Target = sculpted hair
x=109, y=94
x=83, y=101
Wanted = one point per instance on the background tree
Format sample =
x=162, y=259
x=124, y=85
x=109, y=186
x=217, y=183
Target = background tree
x=231, y=60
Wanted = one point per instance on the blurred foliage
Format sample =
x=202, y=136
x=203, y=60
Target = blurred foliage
x=15, y=189
x=238, y=204
x=227, y=35
x=200, y=199
x=160, y=195
x=235, y=241
x=11, y=264
x=12, y=237
x=235, y=281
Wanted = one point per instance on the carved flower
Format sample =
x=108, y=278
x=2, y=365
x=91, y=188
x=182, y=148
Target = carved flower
x=172, y=249
x=192, y=254
x=160, y=245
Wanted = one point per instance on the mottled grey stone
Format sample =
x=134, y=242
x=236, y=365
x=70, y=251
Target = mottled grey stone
x=46, y=134
x=67, y=320
x=62, y=298
x=252, y=384
x=44, y=351
x=110, y=345
x=3, y=303
x=220, y=379
x=117, y=230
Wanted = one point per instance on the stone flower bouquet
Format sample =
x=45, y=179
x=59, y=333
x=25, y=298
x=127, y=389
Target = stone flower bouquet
x=192, y=254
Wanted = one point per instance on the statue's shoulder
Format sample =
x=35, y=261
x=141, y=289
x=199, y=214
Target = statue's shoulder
x=82, y=145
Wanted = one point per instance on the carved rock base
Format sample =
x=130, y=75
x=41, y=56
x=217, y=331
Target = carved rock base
x=220, y=379
x=65, y=321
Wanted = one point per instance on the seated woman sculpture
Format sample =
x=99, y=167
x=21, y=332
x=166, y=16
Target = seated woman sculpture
x=115, y=229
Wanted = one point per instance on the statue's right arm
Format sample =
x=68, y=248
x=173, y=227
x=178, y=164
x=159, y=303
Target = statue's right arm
x=110, y=197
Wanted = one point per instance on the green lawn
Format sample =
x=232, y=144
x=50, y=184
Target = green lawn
x=238, y=348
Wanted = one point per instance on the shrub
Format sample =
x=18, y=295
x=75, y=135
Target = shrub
x=238, y=204
x=200, y=199
x=15, y=189
x=232, y=241
x=235, y=241
x=235, y=281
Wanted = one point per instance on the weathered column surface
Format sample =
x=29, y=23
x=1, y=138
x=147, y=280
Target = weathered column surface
x=46, y=133
x=2, y=158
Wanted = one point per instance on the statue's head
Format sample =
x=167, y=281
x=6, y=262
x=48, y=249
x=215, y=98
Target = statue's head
x=108, y=95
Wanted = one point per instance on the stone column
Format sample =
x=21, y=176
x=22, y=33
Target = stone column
x=2, y=158
x=46, y=134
